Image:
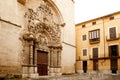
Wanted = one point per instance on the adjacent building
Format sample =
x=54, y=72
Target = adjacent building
x=37, y=37
x=98, y=45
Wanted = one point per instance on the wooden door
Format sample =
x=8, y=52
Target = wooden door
x=85, y=66
x=114, y=66
x=95, y=58
x=95, y=64
x=42, y=63
x=113, y=52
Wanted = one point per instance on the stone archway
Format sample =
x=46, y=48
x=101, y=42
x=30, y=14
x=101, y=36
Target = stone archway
x=42, y=33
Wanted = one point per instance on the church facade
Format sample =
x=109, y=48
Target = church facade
x=37, y=37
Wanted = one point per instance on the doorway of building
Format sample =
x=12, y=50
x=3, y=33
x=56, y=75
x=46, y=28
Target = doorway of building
x=85, y=66
x=113, y=52
x=42, y=63
x=95, y=59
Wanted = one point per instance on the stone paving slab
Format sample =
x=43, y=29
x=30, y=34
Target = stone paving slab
x=78, y=77
x=83, y=77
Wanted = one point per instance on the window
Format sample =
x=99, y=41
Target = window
x=93, y=23
x=84, y=37
x=94, y=35
x=95, y=53
x=83, y=26
x=113, y=50
x=84, y=52
x=111, y=18
x=112, y=33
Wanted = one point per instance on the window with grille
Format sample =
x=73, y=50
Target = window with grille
x=94, y=35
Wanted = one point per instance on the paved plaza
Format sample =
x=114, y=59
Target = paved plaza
x=82, y=77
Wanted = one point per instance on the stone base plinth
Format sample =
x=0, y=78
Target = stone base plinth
x=54, y=72
x=29, y=71
x=79, y=71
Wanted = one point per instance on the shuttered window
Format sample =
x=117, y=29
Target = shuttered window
x=112, y=32
x=83, y=37
x=84, y=52
x=95, y=52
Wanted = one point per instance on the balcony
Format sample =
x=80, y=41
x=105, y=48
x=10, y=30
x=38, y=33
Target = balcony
x=94, y=40
x=108, y=38
x=101, y=58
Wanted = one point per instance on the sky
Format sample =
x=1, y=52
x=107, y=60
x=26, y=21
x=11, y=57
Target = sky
x=89, y=9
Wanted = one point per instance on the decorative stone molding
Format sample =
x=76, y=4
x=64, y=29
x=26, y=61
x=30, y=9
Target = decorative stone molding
x=22, y=1
x=43, y=19
x=28, y=37
x=43, y=33
x=10, y=22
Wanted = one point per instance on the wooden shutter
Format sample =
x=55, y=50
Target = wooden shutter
x=84, y=52
x=112, y=32
x=84, y=37
x=95, y=53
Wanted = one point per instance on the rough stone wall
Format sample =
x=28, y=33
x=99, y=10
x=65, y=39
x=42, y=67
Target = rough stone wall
x=10, y=44
x=11, y=28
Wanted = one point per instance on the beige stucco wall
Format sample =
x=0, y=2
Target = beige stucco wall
x=102, y=23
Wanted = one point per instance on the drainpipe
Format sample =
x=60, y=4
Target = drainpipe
x=104, y=38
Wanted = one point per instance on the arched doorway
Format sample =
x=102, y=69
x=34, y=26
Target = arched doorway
x=42, y=41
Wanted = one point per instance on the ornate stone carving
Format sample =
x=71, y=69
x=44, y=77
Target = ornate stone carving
x=43, y=19
x=44, y=33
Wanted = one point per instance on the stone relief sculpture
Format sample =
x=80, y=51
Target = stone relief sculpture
x=43, y=34
x=43, y=19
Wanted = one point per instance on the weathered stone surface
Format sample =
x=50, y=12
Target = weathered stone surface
x=16, y=52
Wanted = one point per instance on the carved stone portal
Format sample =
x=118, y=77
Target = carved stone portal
x=43, y=33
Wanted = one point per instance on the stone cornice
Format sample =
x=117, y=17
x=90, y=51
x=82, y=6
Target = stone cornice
x=10, y=22
x=68, y=44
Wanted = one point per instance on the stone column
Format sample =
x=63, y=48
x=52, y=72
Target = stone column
x=55, y=61
x=29, y=70
x=31, y=52
x=51, y=57
x=59, y=58
x=35, y=59
x=55, y=58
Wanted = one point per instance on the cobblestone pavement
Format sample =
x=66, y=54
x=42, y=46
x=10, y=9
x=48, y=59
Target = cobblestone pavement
x=82, y=77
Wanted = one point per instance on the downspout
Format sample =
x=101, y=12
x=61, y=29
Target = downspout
x=104, y=39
